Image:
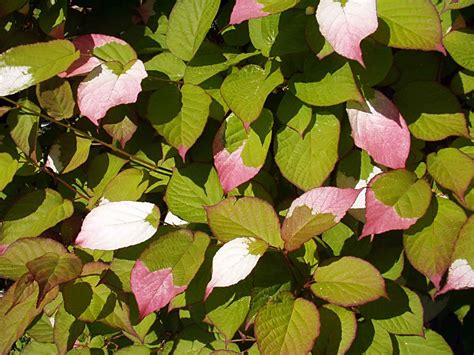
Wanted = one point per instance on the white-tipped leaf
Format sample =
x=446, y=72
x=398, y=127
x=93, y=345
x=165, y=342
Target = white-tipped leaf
x=234, y=261
x=115, y=225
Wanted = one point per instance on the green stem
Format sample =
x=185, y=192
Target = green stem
x=82, y=134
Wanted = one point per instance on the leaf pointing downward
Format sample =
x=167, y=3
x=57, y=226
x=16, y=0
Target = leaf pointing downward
x=380, y=129
x=234, y=262
x=105, y=88
x=345, y=26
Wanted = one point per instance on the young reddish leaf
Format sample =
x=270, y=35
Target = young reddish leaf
x=3, y=248
x=461, y=271
x=345, y=25
x=85, y=45
x=234, y=261
x=246, y=9
x=394, y=201
x=152, y=290
x=166, y=267
x=230, y=167
x=116, y=225
x=315, y=212
x=239, y=154
x=104, y=88
x=379, y=128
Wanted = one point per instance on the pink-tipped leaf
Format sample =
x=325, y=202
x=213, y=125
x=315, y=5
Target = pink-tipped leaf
x=152, y=290
x=380, y=129
x=85, y=45
x=345, y=26
x=103, y=89
x=245, y=10
x=326, y=199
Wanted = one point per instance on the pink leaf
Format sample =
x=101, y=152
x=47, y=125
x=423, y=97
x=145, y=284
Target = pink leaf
x=380, y=129
x=344, y=27
x=145, y=11
x=246, y=9
x=103, y=89
x=230, y=167
x=460, y=276
x=152, y=290
x=381, y=218
x=3, y=248
x=326, y=200
x=85, y=44
x=115, y=225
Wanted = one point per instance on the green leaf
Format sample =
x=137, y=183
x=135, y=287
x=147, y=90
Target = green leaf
x=462, y=83
x=410, y=24
x=245, y=217
x=101, y=170
x=429, y=243
x=69, y=152
x=400, y=313
x=338, y=330
x=55, y=97
x=168, y=64
x=183, y=251
x=179, y=115
x=89, y=302
x=463, y=249
x=192, y=188
x=294, y=113
x=51, y=270
x=120, y=123
x=304, y=225
x=246, y=90
x=460, y=46
x=9, y=168
x=33, y=214
x=306, y=161
x=452, y=169
x=35, y=348
x=226, y=308
x=8, y=6
x=325, y=82
x=18, y=307
x=189, y=22
x=271, y=278
x=24, y=127
x=279, y=34
x=348, y=281
x=387, y=256
x=378, y=61
x=287, y=326
x=13, y=261
x=128, y=185
x=204, y=67
x=431, y=343
x=459, y=4
x=400, y=189
x=66, y=330
x=412, y=66
x=27, y=65
x=41, y=330
x=371, y=339
x=274, y=6
x=115, y=52
x=432, y=112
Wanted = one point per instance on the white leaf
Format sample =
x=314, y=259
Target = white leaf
x=116, y=225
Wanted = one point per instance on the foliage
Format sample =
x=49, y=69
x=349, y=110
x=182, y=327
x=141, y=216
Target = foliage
x=260, y=176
